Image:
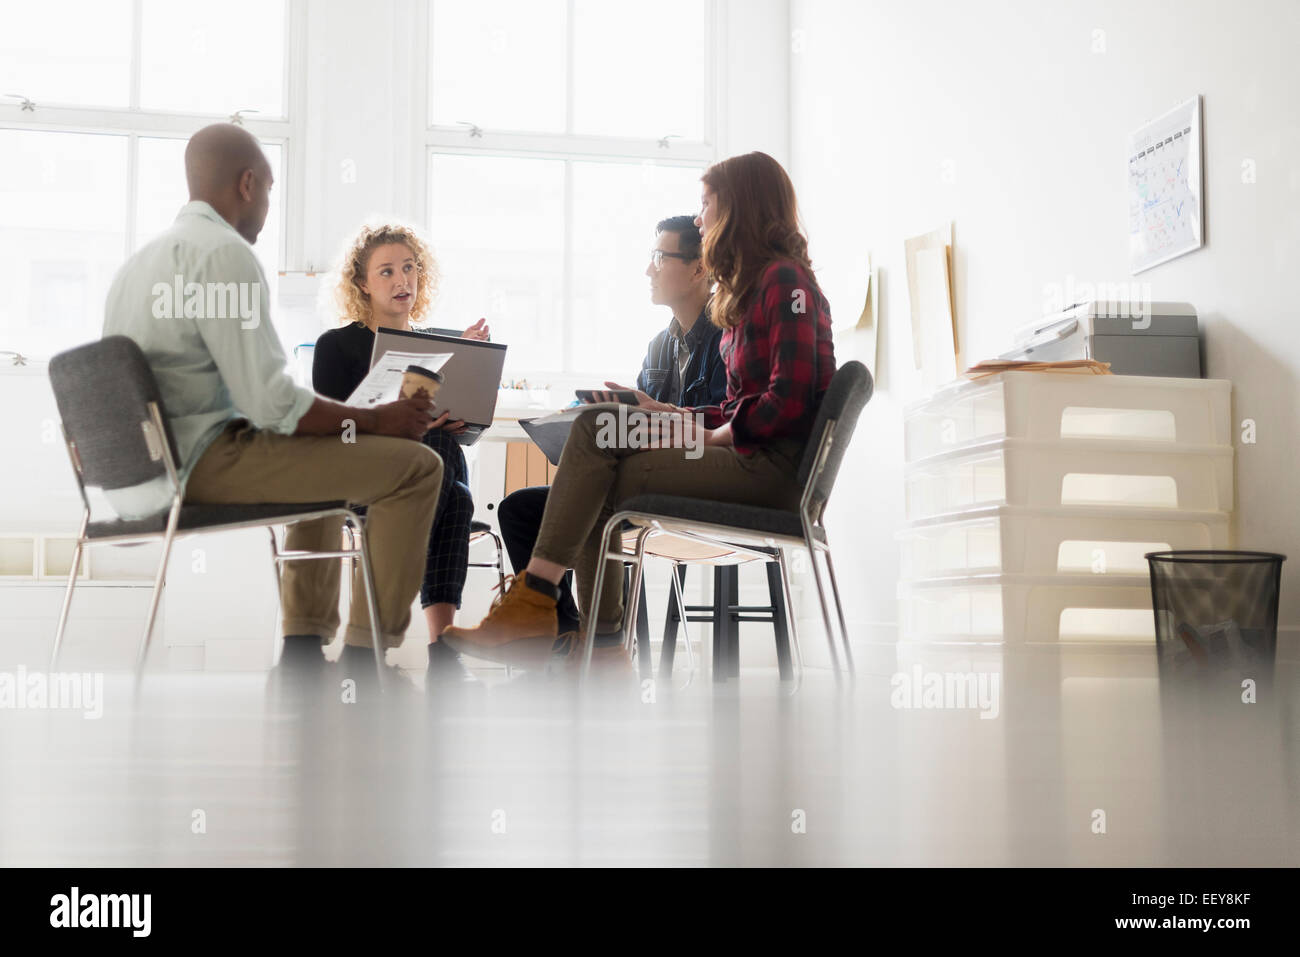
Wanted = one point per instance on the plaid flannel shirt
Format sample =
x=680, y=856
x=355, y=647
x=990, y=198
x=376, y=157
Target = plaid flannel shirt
x=780, y=359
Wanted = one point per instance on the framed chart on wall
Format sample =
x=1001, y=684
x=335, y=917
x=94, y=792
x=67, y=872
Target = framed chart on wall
x=1165, y=194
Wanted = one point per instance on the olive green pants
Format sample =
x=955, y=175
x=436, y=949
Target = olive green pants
x=593, y=480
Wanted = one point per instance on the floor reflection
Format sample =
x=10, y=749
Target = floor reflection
x=1087, y=761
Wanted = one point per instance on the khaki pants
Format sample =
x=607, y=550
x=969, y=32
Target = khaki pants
x=396, y=478
x=591, y=481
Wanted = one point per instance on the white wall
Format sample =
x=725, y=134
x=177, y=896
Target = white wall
x=884, y=93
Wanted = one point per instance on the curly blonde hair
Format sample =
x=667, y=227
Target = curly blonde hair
x=353, y=304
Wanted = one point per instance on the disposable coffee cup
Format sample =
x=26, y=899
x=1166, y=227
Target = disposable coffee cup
x=416, y=378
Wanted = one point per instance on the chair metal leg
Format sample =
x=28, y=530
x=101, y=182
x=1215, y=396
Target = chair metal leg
x=67, y=604
x=608, y=552
x=501, y=570
x=632, y=602
x=279, y=604
x=839, y=611
x=678, y=580
x=67, y=594
x=159, y=580
x=787, y=599
x=645, y=665
x=826, y=613
x=368, y=582
x=779, y=626
x=672, y=616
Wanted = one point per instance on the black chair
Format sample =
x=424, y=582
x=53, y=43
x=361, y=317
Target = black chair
x=117, y=435
x=754, y=531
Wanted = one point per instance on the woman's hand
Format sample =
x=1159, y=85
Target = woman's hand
x=643, y=401
x=448, y=424
x=479, y=331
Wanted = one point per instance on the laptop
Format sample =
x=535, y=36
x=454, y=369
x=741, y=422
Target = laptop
x=472, y=375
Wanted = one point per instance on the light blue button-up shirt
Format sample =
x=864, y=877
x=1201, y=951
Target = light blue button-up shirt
x=196, y=301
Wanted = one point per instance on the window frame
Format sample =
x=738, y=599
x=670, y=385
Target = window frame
x=135, y=123
x=567, y=147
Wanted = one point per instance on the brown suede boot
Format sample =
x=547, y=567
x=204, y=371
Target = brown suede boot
x=519, y=629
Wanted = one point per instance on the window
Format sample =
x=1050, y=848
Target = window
x=555, y=146
x=95, y=169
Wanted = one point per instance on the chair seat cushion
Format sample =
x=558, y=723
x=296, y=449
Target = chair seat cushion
x=754, y=518
x=477, y=528
x=194, y=517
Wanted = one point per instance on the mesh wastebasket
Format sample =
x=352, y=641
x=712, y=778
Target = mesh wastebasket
x=1215, y=611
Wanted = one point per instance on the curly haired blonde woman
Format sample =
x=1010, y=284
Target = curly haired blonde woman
x=388, y=277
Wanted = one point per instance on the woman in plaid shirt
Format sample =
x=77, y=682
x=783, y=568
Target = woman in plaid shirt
x=779, y=356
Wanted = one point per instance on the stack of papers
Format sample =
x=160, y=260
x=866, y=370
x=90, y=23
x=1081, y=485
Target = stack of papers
x=1069, y=367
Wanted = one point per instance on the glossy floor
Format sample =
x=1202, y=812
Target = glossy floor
x=953, y=756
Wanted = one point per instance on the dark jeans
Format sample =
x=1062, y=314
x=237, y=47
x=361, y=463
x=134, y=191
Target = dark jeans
x=520, y=517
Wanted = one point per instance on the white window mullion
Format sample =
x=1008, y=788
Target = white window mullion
x=566, y=304
x=132, y=189
x=294, y=191
x=137, y=45
x=568, y=68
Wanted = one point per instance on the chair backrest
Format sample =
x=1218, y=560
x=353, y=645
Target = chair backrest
x=103, y=390
x=849, y=390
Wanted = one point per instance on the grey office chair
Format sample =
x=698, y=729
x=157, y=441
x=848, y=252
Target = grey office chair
x=116, y=432
x=750, y=530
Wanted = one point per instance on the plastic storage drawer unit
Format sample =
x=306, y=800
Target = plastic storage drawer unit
x=1045, y=407
x=1047, y=540
x=1117, y=474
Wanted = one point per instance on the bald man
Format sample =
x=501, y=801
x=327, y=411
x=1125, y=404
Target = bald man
x=195, y=300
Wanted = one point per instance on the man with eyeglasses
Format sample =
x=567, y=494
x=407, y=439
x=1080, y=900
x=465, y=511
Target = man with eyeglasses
x=683, y=367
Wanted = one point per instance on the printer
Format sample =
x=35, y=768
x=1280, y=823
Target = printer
x=1154, y=338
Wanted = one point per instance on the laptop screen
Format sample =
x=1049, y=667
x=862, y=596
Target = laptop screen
x=472, y=375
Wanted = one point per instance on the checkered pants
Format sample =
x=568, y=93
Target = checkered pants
x=448, y=555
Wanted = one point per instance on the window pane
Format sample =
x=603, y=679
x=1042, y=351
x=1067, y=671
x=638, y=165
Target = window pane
x=615, y=209
x=640, y=71
x=62, y=235
x=497, y=226
x=201, y=58
x=76, y=52
x=161, y=192
x=498, y=64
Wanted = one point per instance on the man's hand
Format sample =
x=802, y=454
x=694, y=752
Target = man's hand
x=405, y=418
x=479, y=331
x=643, y=401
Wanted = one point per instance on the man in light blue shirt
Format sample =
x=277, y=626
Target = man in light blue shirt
x=195, y=301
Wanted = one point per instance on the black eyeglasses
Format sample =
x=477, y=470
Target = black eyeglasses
x=657, y=257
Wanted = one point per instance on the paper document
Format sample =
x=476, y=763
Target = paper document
x=868, y=321
x=933, y=305
x=1068, y=367
x=384, y=381
x=924, y=288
